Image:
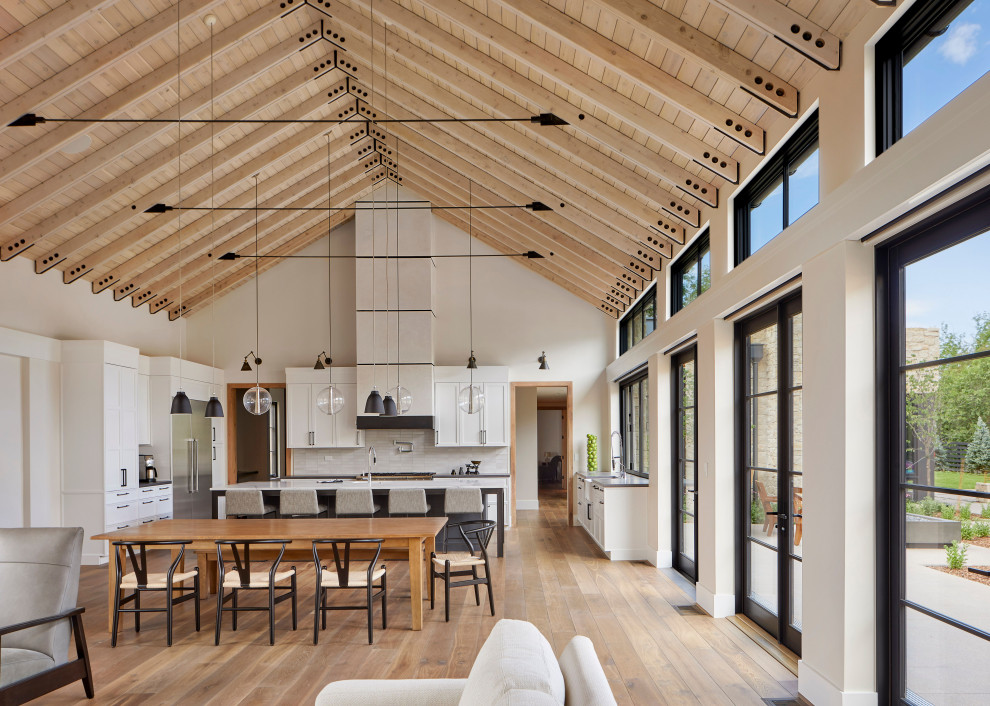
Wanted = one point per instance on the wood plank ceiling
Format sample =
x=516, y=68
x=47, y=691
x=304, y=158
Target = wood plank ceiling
x=663, y=100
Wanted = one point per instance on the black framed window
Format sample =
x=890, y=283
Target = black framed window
x=933, y=353
x=634, y=411
x=684, y=495
x=783, y=191
x=639, y=322
x=691, y=275
x=933, y=53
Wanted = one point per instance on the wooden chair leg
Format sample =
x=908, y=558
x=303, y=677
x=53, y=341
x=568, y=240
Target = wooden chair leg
x=233, y=607
x=168, y=616
x=446, y=591
x=196, y=599
x=216, y=639
x=82, y=652
x=116, y=617
x=371, y=614
x=325, y=608
x=316, y=616
x=477, y=591
x=488, y=582
x=137, y=606
x=271, y=615
x=384, y=609
x=293, y=582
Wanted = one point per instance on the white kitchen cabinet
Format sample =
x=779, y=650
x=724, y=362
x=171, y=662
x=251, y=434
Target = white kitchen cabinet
x=487, y=427
x=100, y=432
x=144, y=408
x=306, y=425
x=614, y=516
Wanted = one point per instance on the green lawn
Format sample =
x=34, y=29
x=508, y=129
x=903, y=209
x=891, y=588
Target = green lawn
x=950, y=479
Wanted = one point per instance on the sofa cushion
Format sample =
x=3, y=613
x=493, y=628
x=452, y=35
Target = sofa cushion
x=515, y=661
x=584, y=677
x=17, y=664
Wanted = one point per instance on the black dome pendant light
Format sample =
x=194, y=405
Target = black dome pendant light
x=213, y=407
x=180, y=403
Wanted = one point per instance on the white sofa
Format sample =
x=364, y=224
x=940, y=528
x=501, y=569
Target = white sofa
x=515, y=666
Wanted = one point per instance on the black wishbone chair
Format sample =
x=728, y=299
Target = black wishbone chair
x=139, y=581
x=476, y=534
x=343, y=576
x=243, y=578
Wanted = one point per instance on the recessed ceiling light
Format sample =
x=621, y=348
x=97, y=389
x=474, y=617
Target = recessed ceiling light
x=210, y=20
x=80, y=144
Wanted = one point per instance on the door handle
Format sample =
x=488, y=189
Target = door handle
x=189, y=465
x=123, y=477
x=589, y=510
x=214, y=453
x=196, y=465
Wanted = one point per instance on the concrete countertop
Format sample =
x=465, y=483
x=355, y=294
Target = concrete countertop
x=480, y=481
x=606, y=480
x=150, y=483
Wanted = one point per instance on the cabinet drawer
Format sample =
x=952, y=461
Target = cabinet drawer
x=118, y=526
x=152, y=492
x=119, y=513
x=119, y=497
x=147, y=507
x=164, y=505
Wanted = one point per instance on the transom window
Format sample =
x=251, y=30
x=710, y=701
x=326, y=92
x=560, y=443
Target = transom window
x=783, y=191
x=639, y=322
x=936, y=51
x=691, y=275
x=634, y=411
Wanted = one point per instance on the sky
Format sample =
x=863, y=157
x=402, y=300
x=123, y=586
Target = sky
x=949, y=64
x=950, y=287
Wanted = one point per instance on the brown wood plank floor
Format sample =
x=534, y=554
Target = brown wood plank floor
x=552, y=575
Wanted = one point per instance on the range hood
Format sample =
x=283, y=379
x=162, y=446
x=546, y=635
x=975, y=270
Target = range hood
x=405, y=421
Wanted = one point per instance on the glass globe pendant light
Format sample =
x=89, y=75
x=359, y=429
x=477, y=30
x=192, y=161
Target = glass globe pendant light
x=257, y=400
x=471, y=399
x=330, y=399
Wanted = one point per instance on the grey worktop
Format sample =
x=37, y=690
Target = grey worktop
x=607, y=480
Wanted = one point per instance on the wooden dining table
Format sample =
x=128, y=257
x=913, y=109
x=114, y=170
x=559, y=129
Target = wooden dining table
x=414, y=535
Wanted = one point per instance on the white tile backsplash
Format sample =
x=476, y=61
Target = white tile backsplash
x=425, y=456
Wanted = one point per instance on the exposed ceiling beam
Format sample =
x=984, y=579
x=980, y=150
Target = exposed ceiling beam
x=790, y=27
x=697, y=46
x=583, y=38
x=581, y=83
x=62, y=19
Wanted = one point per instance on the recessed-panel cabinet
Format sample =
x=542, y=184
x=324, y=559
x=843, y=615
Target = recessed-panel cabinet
x=309, y=427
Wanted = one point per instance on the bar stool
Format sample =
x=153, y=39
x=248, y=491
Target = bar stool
x=246, y=503
x=297, y=502
x=355, y=502
x=461, y=503
x=406, y=502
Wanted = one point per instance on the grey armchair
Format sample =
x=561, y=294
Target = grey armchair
x=39, y=580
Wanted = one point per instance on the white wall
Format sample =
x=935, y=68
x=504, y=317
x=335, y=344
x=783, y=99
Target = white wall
x=549, y=431
x=12, y=469
x=527, y=489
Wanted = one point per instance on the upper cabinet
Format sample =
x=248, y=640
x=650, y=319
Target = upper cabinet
x=143, y=401
x=307, y=426
x=487, y=427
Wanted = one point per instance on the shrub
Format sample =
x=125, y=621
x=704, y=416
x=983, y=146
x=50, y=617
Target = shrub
x=981, y=529
x=967, y=530
x=948, y=512
x=756, y=515
x=955, y=555
x=929, y=506
x=985, y=512
x=912, y=508
x=964, y=511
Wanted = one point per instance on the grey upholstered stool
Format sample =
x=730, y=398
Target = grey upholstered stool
x=245, y=502
x=407, y=501
x=297, y=502
x=355, y=502
x=462, y=501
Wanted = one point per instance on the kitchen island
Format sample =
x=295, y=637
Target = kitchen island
x=491, y=485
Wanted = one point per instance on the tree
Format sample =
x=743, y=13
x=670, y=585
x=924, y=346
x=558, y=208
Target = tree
x=964, y=388
x=978, y=453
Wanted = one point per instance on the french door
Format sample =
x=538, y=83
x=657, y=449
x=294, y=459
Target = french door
x=684, y=495
x=769, y=374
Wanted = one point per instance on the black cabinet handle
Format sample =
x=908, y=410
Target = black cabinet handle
x=589, y=511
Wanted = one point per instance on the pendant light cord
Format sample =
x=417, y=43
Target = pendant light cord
x=385, y=142
x=329, y=268
x=257, y=291
x=178, y=178
x=374, y=219
x=398, y=286
x=213, y=233
x=471, y=282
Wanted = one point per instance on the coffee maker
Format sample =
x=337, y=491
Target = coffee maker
x=146, y=468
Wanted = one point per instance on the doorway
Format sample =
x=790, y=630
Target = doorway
x=769, y=373
x=540, y=460
x=256, y=443
x=684, y=495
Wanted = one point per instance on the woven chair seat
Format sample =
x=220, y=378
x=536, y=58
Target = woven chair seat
x=259, y=579
x=331, y=579
x=157, y=580
x=457, y=559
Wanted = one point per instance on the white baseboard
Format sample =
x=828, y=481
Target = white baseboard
x=527, y=504
x=94, y=559
x=629, y=555
x=717, y=605
x=662, y=559
x=821, y=692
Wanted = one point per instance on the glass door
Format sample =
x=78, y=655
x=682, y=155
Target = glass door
x=685, y=475
x=771, y=490
x=935, y=474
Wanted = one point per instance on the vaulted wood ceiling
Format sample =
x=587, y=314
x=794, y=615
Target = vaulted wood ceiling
x=664, y=102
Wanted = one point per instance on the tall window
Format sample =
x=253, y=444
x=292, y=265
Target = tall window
x=634, y=410
x=784, y=190
x=639, y=322
x=691, y=275
x=935, y=464
x=685, y=476
x=929, y=57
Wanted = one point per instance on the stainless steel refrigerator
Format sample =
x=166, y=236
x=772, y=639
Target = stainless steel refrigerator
x=192, y=464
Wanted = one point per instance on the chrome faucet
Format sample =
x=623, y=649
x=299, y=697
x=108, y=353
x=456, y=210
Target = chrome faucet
x=372, y=459
x=617, y=457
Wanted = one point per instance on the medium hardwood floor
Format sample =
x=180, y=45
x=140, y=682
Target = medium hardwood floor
x=552, y=575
